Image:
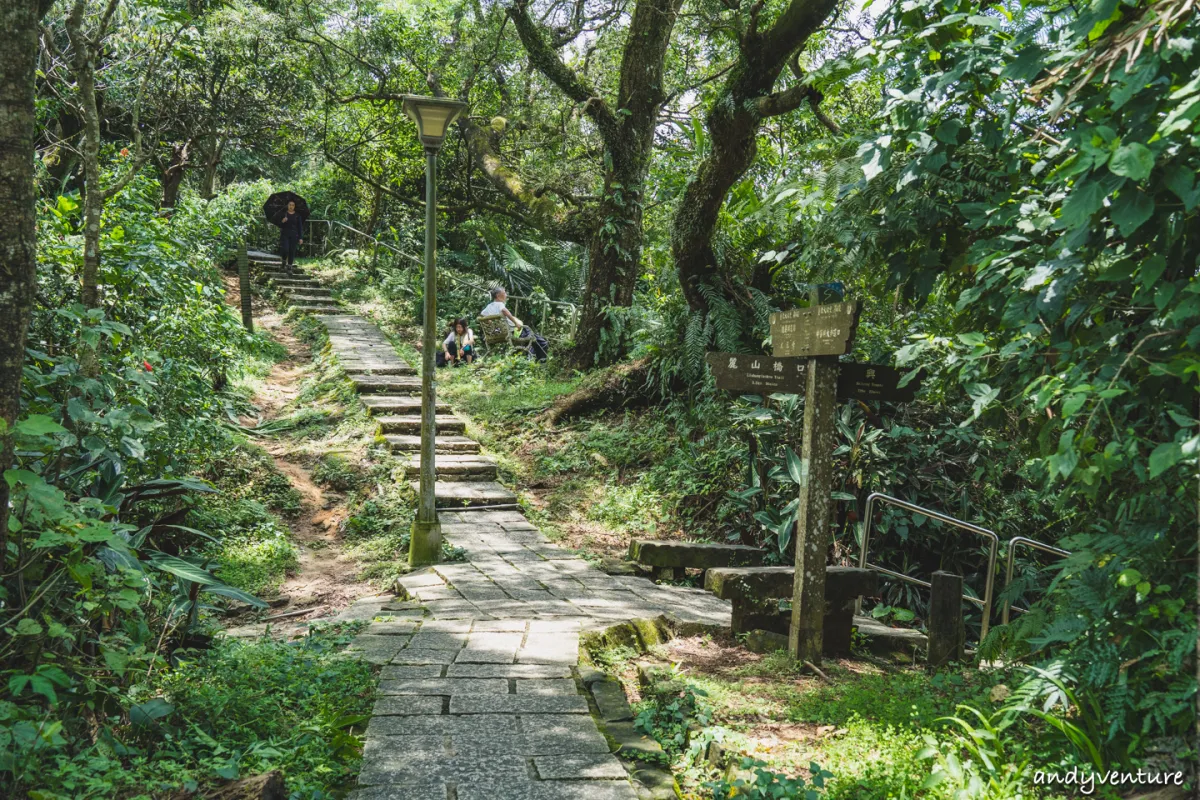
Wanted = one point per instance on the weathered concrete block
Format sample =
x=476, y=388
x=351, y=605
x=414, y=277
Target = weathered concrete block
x=573, y=767
x=841, y=583
x=610, y=699
x=693, y=555
x=517, y=704
x=632, y=742
x=760, y=641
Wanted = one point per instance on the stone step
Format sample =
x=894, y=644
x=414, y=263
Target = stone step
x=308, y=298
x=446, y=423
x=398, y=404
x=454, y=467
x=307, y=288
x=377, y=368
x=460, y=494
x=386, y=384
x=316, y=309
x=408, y=443
x=280, y=279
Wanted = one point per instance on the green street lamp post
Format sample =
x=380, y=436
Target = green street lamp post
x=433, y=116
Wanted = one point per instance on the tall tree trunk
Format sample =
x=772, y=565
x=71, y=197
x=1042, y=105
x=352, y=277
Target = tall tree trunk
x=626, y=128
x=747, y=98
x=172, y=174
x=212, y=160
x=20, y=22
x=376, y=210
x=614, y=256
x=93, y=195
x=87, y=51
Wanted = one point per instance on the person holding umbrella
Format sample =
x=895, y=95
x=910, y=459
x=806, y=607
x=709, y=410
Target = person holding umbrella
x=291, y=233
x=288, y=211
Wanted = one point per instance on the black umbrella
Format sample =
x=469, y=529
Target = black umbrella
x=276, y=206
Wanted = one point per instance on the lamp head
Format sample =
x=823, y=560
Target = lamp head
x=433, y=116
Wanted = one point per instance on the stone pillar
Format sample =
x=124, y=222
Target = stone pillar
x=806, y=633
x=946, y=634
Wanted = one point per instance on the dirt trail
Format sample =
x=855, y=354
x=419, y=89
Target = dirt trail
x=327, y=576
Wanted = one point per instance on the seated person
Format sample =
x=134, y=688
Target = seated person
x=531, y=339
x=459, y=345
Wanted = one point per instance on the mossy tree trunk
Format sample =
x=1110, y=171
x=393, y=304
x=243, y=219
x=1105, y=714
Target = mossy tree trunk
x=172, y=173
x=21, y=22
x=626, y=126
x=747, y=98
x=87, y=50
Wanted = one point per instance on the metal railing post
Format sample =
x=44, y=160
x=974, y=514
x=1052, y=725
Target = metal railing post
x=993, y=547
x=1013, y=544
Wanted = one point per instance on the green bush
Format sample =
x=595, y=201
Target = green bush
x=233, y=711
x=338, y=473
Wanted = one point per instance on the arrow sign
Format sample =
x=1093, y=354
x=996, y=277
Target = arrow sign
x=875, y=382
x=750, y=374
x=825, y=330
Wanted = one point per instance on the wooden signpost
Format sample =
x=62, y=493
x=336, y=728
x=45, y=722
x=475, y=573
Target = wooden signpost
x=243, y=264
x=826, y=330
x=765, y=375
x=807, y=343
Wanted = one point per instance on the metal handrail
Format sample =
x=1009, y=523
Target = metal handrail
x=374, y=239
x=1013, y=544
x=991, y=536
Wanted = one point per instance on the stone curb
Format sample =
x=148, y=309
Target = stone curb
x=612, y=713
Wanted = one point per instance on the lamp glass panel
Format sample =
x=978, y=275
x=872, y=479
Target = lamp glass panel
x=434, y=120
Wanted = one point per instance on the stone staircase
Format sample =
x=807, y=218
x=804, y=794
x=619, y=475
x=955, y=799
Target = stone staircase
x=482, y=696
x=301, y=291
x=391, y=392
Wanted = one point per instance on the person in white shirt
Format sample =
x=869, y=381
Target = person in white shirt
x=459, y=345
x=533, y=341
x=497, y=308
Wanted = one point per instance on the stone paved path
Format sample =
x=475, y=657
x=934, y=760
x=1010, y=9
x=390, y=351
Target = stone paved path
x=480, y=695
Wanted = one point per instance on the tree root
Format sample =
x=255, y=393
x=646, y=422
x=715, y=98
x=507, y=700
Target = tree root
x=618, y=386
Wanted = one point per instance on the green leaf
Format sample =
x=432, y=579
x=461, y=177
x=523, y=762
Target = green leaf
x=146, y=713
x=795, y=467
x=1151, y=270
x=184, y=569
x=1082, y=203
x=1180, y=181
x=1073, y=403
x=983, y=395
x=235, y=594
x=1131, y=208
x=948, y=131
x=1165, y=456
x=28, y=627
x=38, y=425
x=115, y=660
x=1132, y=160
x=1128, y=578
x=972, y=339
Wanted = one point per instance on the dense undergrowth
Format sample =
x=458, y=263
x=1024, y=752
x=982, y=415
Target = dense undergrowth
x=138, y=508
x=737, y=725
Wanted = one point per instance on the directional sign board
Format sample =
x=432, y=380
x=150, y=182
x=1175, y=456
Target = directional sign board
x=749, y=374
x=765, y=375
x=824, y=330
x=875, y=382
